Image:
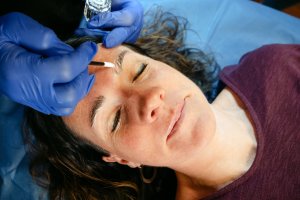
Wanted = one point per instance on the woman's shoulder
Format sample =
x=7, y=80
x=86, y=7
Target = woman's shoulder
x=273, y=59
x=272, y=55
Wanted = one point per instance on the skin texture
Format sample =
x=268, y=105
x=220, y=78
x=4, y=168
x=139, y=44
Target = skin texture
x=213, y=145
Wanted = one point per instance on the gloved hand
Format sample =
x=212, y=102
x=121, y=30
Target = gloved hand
x=39, y=70
x=125, y=22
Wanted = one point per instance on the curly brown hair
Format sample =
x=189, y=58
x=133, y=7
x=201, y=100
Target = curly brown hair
x=70, y=167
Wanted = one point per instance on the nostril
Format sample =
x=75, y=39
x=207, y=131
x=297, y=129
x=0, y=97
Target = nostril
x=152, y=113
x=161, y=96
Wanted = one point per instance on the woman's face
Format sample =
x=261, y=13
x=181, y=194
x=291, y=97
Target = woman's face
x=142, y=111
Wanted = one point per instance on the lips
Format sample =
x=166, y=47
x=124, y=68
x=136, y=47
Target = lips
x=175, y=120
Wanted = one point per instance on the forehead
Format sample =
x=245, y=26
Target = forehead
x=104, y=54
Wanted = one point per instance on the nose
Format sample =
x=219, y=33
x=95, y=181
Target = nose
x=149, y=103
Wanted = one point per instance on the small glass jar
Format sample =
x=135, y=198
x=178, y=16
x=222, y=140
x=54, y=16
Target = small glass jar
x=93, y=7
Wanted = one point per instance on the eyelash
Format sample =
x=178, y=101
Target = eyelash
x=141, y=70
x=116, y=120
x=118, y=113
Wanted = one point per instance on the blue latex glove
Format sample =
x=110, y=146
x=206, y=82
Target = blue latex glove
x=124, y=22
x=39, y=70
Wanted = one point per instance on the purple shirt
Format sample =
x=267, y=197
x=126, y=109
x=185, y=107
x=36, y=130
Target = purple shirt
x=267, y=80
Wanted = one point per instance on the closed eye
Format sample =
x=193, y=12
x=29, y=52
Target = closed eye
x=116, y=120
x=140, y=71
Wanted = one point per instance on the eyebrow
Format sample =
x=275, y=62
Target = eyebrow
x=98, y=103
x=119, y=60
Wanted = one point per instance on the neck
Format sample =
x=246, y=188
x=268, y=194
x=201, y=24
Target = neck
x=227, y=157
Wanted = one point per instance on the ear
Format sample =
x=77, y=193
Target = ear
x=115, y=158
x=109, y=159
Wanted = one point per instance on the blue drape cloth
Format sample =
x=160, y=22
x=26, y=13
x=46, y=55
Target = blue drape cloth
x=230, y=28
x=225, y=28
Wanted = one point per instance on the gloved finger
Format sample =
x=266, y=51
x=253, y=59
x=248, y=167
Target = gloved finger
x=112, y=19
x=69, y=94
x=18, y=62
x=23, y=30
x=65, y=68
x=90, y=32
x=120, y=35
x=61, y=111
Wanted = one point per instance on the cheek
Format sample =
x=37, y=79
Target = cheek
x=164, y=73
x=135, y=139
x=133, y=136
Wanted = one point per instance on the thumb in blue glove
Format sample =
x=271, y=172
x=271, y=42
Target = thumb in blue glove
x=125, y=22
x=39, y=70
